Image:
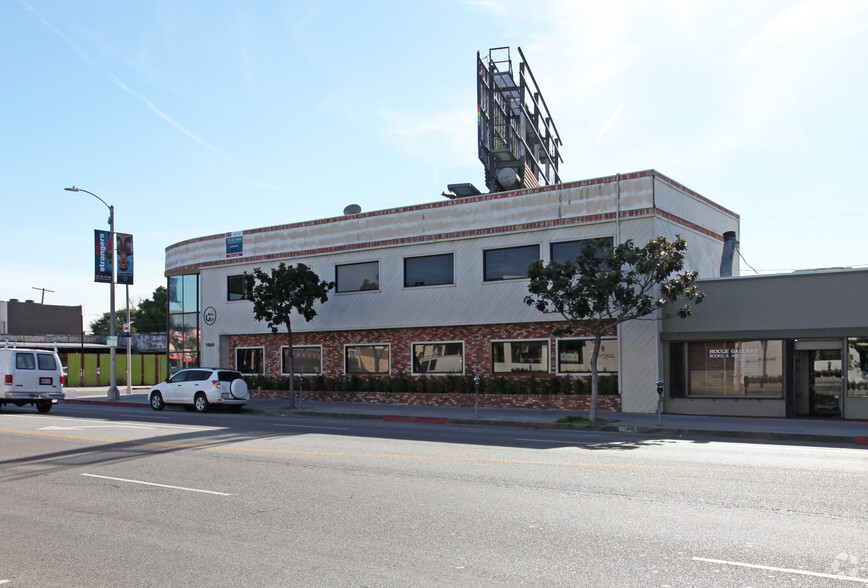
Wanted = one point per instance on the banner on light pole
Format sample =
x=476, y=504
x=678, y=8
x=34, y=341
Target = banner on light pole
x=125, y=258
x=102, y=271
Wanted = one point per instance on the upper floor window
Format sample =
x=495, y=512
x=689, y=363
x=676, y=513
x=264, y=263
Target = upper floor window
x=509, y=263
x=567, y=250
x=236, y=288
x=429, y=270
x=356, y=277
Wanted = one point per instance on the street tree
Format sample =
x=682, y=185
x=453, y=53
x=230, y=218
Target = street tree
x=602, y=288
x=277, y=295
x=151, y=314
x=149, y=317
x=102, y=325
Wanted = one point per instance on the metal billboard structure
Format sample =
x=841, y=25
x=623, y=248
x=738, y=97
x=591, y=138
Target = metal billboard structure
x=519, y=145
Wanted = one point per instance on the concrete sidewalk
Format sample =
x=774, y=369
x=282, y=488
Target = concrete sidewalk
x=668, y=425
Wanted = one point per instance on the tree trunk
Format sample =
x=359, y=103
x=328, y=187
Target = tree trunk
x=595, y=378
x=291, y=368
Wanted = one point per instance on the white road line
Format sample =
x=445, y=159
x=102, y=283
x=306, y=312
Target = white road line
x=785, y=570
x=558, y=441
x=314, y=427
x=157, y=485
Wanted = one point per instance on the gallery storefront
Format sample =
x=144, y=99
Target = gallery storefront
x=793, y=345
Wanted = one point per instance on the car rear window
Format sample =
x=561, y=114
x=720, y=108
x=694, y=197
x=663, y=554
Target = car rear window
x=46, y=361
x=226, y=376
x=24, y=361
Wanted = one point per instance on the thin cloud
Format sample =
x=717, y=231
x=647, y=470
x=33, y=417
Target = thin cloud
x=496, y=8
x=608, y=124
x=119, y=83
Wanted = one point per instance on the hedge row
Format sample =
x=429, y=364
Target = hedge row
x=562, y=385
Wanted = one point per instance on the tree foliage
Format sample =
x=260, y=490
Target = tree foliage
x=286, y=290
x=598, y=290
x=149, y=317
x=101, y=325
x=151, y=314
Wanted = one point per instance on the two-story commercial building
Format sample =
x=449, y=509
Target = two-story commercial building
x=438, y=288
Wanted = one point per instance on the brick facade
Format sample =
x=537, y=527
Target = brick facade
x=540, y=401
x=476, y=338
x=477, y=361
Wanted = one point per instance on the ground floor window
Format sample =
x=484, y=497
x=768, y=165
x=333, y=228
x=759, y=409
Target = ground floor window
x=248, y=360
x=574, y=356
x=438, y=358
x=306, y=360
x=751, y=368
x=366, y=359
x=857, y=367
x=519, y=356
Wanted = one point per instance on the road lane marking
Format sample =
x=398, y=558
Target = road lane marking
x=85, y=427
x=157, y=485
x=726, y=470
x=784, y=570
x=556, y=441
x=314, y=427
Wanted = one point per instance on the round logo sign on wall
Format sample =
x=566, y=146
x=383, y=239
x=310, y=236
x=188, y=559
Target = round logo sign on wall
x=210, y=315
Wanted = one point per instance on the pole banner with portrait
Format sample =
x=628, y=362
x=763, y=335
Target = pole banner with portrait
x=125, y=258
x=102, y=271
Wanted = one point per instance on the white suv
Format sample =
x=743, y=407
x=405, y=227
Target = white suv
x=198, y=388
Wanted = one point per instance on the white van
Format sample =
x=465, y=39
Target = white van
x=30, y=376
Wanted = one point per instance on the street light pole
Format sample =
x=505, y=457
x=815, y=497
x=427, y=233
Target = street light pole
x=113, y=393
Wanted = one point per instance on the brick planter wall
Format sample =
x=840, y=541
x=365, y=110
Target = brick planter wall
x=609, y=403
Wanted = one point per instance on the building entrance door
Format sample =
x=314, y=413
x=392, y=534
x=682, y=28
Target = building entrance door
x=819, y=384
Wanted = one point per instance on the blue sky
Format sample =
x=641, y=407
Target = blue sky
x=201, y=117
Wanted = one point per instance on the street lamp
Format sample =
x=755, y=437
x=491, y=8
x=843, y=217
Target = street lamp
x=113, y=393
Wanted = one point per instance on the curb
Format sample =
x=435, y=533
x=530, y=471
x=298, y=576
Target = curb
x=103, y=402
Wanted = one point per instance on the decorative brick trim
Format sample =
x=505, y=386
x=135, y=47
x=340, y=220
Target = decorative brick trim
x=585, y=219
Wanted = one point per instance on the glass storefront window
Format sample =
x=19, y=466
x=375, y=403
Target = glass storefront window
x=305, y=360
x=857, y=367
x=574, y=356
x=183, y=336
x=438, y=358
x=734, y=368
x=509, y=357
x=366, y=359
x=248, y=360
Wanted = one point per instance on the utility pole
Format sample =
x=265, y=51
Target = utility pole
x=44, y=290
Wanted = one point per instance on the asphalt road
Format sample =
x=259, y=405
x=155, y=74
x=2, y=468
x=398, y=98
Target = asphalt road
x=114, y=496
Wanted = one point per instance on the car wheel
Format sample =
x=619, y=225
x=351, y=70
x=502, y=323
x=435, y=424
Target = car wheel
x=43, y=406
x=200, y=403
x=157, y=401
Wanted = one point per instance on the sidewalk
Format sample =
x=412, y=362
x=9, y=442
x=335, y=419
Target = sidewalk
x=670, y=425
